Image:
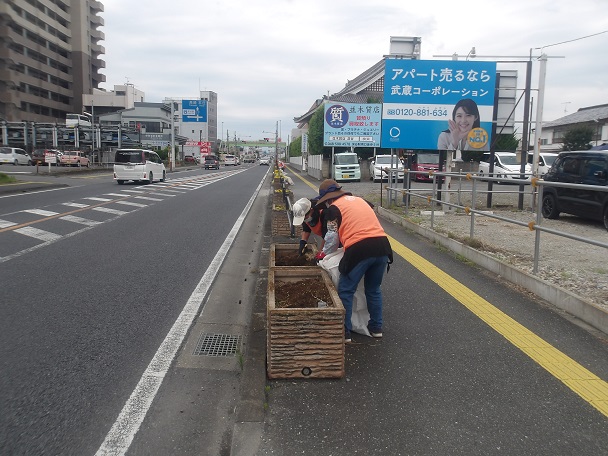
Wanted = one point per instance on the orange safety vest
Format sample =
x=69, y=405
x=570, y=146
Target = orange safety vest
x=359, y=220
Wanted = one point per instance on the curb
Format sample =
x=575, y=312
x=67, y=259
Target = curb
x=563, y=299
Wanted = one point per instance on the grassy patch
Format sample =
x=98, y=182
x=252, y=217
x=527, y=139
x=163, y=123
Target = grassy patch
x=6, y=179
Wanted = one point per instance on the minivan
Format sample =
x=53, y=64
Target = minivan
x=346, y=167
x=577, y=167
x=15, y=156
x=138, y=165
x=211, y=162
x=545, y=160
x=506, y=167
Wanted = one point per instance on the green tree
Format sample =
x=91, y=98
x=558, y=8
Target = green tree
x=578, y=138
x=295, y=148
x=315, y=132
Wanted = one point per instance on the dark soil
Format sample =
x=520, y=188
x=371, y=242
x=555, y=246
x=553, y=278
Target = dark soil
x=305, y=293
x=291, y=258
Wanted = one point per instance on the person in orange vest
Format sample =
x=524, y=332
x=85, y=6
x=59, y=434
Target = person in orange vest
x=367, y=251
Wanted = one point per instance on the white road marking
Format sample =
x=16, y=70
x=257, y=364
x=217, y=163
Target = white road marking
x=129, y=420
x=160, y=194
x=109, y=210
x=95, y=198
x=6, y=223
x=76, y=205
x=40, y=212
x=131, y=203
x=82, y=221
x=122, y=195
x=147, y=198
x=38, y=234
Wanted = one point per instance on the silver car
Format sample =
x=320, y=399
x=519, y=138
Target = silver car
x=15, y=156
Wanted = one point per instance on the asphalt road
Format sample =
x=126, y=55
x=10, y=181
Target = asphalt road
x=468, y=363
x=94, y=277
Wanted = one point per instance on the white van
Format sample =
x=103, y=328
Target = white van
x=80, y=120
x=506, y=167
x=346, y=167
x=545, y=161
x=138, y=165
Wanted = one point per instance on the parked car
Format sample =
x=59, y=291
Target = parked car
x=39, y=155
x=577, y=167
x=506, y=167
x=230, y=160
x=346, y=167
x=190, y=159
x=211, y=162
x=15, y=156
x=265, y=161
x=381, y=162
x=545, y=160
x=138, y=165
x=74, y=158
x=426, y=163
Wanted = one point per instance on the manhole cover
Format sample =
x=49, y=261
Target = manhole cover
x=217, y=345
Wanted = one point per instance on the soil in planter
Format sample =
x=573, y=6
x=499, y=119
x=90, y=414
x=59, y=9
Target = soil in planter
x=304, y=293
x=292, y=258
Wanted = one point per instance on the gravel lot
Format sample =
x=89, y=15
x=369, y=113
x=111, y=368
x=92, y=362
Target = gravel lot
x=576, y=266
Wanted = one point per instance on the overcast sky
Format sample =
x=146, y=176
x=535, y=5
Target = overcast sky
x=269, y=60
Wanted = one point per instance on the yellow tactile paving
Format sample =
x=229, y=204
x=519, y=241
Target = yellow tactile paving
x=583, y=382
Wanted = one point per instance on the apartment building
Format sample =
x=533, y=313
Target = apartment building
x=49, y=57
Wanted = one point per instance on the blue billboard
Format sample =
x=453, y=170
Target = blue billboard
x=352, y=124
x=194, y=110
x=438, y=104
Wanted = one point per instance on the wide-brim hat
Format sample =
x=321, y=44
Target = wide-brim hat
x=329, y=189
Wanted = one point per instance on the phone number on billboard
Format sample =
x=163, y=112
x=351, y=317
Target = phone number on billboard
x=419, y=112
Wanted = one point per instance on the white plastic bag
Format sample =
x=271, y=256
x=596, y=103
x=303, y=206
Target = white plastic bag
x=360, y=316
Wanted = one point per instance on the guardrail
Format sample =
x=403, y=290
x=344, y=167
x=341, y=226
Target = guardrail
x=535, y=192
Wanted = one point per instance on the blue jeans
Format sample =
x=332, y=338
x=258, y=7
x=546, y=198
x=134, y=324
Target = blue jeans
x=373, y=271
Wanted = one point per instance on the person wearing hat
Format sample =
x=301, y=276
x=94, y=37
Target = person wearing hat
x=308, y=216
x=367, y=251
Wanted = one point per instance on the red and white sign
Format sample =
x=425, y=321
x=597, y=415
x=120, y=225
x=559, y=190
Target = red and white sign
x=206, y=148
x=50, y=157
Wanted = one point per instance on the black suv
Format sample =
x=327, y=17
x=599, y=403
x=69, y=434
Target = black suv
x=578, y=167
x=211, y=162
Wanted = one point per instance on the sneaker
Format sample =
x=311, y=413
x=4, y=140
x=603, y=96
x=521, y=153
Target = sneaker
x=347, y=338
x=377, y=335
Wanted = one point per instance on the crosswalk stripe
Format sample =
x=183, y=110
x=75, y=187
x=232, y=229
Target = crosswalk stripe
x=160, y=194
x=76, y=205
x=131, y=203
x=147, y=198
x=109, y=210
x=6, y=223
x=82, y=221
x=36, y=233
x=122, y=195
x=40, y=212
x=94, y=198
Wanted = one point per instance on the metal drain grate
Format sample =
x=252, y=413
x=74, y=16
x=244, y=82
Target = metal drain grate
x=217, y=345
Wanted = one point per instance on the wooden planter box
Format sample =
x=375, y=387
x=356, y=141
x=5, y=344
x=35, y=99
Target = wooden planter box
x=279, y=251
x=304, y=342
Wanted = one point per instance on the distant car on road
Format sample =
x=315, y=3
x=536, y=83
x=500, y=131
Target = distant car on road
x=230, y=160
x=15, y=156
x=138, y=165
x=190, y=159
x=40, y=156
x=211, y=162
x=74, y=158
x=265, y=161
